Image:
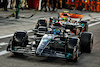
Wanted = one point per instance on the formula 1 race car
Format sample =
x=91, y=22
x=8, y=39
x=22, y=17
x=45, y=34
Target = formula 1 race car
x=57, y=42
x=40, y=31
x=72, y=22
x=76, y=26
x=41, y=27
x=41, y=22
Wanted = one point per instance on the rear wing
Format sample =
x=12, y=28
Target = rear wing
x=75, y=15
x=61, y=14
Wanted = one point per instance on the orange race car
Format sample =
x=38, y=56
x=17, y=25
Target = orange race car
x=70, y=21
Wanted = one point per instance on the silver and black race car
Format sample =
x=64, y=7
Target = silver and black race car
x=40, y=31
x=41, y=22
x=57, y=42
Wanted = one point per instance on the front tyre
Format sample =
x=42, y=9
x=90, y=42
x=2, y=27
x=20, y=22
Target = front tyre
x=86, y=42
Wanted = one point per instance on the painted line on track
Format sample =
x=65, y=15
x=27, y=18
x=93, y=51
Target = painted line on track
x=5, y=52
x=6, y=36
x=93, y=24
x=10, y=35
x=3, y=43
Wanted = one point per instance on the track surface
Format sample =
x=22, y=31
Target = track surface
x=85, y=60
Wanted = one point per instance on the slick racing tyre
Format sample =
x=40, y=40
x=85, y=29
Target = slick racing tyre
x=86, y=42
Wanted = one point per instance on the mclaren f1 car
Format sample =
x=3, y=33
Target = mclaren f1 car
x=70, y=21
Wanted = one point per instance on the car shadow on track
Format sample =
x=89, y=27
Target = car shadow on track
x=47, y=60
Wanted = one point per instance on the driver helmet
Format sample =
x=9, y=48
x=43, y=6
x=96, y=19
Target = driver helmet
x=65, y=14
x=65, y=19
x=56, y=31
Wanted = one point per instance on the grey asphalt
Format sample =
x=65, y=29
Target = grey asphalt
x=9, y=60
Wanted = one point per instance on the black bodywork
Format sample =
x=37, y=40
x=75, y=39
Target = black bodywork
x=41, y=22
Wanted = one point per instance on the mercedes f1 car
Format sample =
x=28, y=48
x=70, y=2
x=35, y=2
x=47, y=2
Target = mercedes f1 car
x=57, y=42
x=40, y=31
x=41, y=27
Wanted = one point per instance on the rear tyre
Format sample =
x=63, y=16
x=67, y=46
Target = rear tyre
x=86, y=42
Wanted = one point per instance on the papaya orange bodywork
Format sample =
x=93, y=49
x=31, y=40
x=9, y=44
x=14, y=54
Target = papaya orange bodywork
x=61, y=14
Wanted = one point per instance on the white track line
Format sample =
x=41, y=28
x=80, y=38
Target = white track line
x=5, y=52
x=1, y=37
x=10, y=35
x=94, y=24
x=3, y=43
